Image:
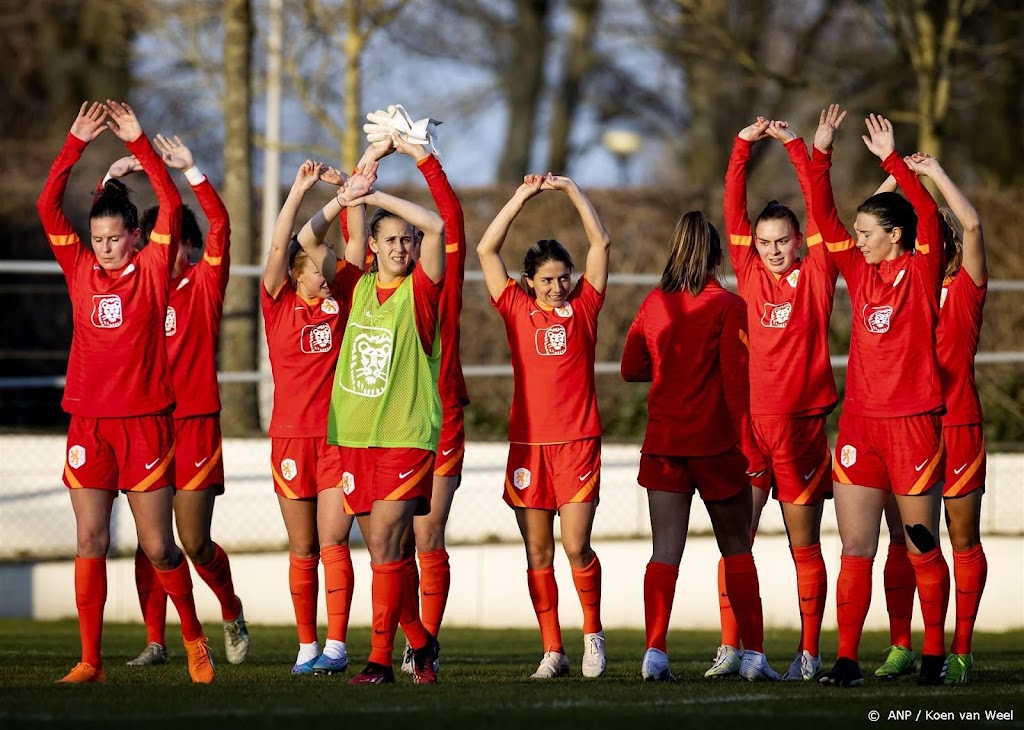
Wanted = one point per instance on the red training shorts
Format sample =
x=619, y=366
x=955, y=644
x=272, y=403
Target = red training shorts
x=374, y=474
x=965, y=459
x=547, y=476
x=299, y=465
x=716, y=477
x=798, y=458
x=128, y=454
x=451, y=450
x=902, y=455
x=198, y=454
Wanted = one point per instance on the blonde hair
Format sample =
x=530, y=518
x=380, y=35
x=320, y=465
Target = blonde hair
x=297, y=259
x=696, y=254
x=952, y=240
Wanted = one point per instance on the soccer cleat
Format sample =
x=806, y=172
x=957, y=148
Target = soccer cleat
x=84, y=674
x=424, y=662
x=407, y=662
x=899, y=660
x=153, y=654
x=958, y=668
x=804, y=668
x=305, y=667
x=236, y=640
x=374, y=674
x=654, y=667
x=932, y=670
x=845, y=673
x=754, y=667
x=200, y=662
x=594, y=659
x=553, y=664
x=325, y=665
x=727, y=662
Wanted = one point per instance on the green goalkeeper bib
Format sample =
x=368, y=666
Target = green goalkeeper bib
x=385, y=386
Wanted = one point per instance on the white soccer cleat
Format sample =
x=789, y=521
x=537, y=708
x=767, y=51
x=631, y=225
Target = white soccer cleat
x=594, y=659
x=805, y=668
x=554, y=664
x=408, y=662
x=236, y=640
x=726, y=664
x=654, y=667
x=153, y=654
x=754, y=668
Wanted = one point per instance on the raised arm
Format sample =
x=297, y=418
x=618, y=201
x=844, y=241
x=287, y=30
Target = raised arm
x=276, y=272
x=432, y=246
x=489, y=249
x=737, y=221
x=837, y=240
x=597, y=235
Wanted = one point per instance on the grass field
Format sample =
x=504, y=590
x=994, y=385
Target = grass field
x=483, y=684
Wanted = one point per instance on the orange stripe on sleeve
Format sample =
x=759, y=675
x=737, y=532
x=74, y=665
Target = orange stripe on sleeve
x=63, y=240
x=160, y=470
x=744, y=339
x=922, y=481
x=161, y=238
x=814, y=240
x=451, y=247
x=212, y=260
x=737, y=240
x=204, y=472
x=840, y=245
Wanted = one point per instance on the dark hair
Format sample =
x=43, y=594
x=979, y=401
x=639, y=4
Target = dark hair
x=696, y=253
x=113, y=201
x=892, y=210
x=191, y=236
x=545, y=250
x=374, y=224
x=776, y=211
x=297, y=259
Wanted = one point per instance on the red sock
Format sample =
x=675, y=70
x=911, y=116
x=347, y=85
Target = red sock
x=177, y=582
x=435, y=583
x=933, y=593
x=588, y=588
x=900, y=584
x=970, y=569
x=304, y=583
x=812, y=587
x=730, y=629
x=659, y=593
x=152, y=599
x=90, y=597
x=745, y=596
x=338, y=580
x=217, y=575
x=853, y=598
x=386, y=597
x=544, y=594
x=409, y=612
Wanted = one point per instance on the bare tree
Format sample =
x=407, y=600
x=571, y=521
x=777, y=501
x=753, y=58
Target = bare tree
x=580, y=60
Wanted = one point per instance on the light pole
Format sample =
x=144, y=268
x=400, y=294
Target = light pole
x=623, y=144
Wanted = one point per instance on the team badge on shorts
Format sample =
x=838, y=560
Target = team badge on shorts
x=76, y=456
x=348, y=482
x=877, y=319
x=106, y=311
x=170, y=322
x=521, y=478
x=564, y=311
x=329, y=306
x=316, y=338
x=776, y=315
x=288, y=469
x=552, y=340
x=848, y=455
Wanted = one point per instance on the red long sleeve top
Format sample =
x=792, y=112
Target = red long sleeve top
x=118, y=366
x=787, y=316
x=893, y=369
x=960, y=316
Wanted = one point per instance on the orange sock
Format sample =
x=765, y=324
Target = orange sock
x=386, y=597
x=853, y=598
x=409, y=611
x=304, y=584
x=730, y=629
x=152, y=599
x=435, y=583
x=970, y=569
x=812, y=588
x=338, y=580
x=745, y=596
x=90, y=597
x=659, y=594
x=544, y=594
x=177, y=582
x=588, y=588
x=217, y=575
x=933, y=593
x=900, y=584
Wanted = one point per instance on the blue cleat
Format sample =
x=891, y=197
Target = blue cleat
x=304, y=667
x=325, y=665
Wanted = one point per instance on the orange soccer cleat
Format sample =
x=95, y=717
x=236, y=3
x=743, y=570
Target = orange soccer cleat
x=200, y=663
x=84, y=674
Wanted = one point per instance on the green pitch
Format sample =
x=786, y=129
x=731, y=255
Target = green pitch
x=483, y=685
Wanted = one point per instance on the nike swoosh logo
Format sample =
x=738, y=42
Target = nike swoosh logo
x=919, y=468
x=435, y=593
x=812, y=598
x=445, y=452
x=957, y=471
x=334, y=590
x=808, y=475
x=586, y=475
x=201, y=462
x=151, y=464
x=379, y=632
x=405, y=474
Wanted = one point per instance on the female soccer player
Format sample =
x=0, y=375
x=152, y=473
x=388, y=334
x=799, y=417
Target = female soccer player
x=191, y=327
x=121, y=435
x=305, y=319
x=385, y=411
x=890, y=437
x=689, y=340
x=554, y=463
x=789, y=303
x=960, y=313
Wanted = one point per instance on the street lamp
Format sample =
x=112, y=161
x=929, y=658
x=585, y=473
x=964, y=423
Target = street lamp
x=623, y=144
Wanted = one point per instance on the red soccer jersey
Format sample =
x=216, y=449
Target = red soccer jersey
x=694, y=351
x=552, y=364
x=892, y=370
x=303, y=340
x=192, y=324
x=452, y=384
x=788, y=316
x=118, y=364
x=956, y=339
